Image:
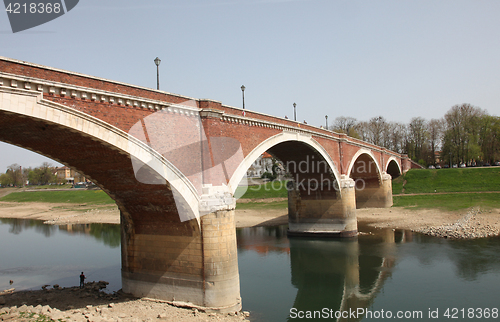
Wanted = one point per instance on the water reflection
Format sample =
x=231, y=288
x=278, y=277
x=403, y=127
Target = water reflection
x=263, y=240
x=108, y=234
x=18, y=225
x=278, y=274
x=37, y=254
x=341, y=275
x=474, y=258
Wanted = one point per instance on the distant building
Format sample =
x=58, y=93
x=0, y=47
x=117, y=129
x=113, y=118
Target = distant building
x=68, y=175
x=437, y=157
x=264, y=163
x=63, y=174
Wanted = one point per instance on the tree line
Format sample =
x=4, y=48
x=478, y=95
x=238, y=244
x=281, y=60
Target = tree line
x=466, y=134
x=18, y=176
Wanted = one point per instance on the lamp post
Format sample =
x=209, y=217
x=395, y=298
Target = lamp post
x=326, y=117
x=157, y=62
x=243, y=94
x=294, y=112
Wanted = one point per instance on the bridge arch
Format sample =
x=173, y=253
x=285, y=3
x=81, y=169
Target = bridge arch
x=149, y=213
x=49, y=115
x=393, y=168
x=364, y=161
x=274, y=141
x=373, y=186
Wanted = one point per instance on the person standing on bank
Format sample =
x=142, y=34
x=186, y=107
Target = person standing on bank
x=82, y=280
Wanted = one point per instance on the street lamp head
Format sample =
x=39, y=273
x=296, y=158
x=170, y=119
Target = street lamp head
x=242, y=88
x=157, y=61
x=294, y=105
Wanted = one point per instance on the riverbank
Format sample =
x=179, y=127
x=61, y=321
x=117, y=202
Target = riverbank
x=482, y=223
x=92, y=304
x=459, y=224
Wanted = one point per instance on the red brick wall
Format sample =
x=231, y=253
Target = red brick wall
x=124, y=117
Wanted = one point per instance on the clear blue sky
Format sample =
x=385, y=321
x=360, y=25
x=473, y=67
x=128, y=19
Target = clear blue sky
x=398, y=59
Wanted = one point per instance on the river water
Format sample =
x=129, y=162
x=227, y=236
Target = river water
x=380, y=275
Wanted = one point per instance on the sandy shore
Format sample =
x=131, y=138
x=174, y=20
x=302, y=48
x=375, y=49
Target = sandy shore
x=90, y=304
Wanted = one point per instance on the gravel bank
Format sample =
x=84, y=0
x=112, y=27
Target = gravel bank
x=469, y=226
x=462, y=224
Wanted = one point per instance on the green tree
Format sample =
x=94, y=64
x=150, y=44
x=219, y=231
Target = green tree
x=461, y=136
x=5, y=180
x=42, y=175
x=489, y=138
x=14, y=171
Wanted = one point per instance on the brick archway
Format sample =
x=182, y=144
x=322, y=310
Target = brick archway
x=364, y=162
x=267, y=146
x=373, y=187
x=80, y=140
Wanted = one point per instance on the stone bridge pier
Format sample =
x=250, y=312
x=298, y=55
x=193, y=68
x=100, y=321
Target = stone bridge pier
x=192, y=263
x=326, y=214
x=374, y=192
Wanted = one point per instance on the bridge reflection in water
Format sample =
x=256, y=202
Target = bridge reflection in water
x=337, y=274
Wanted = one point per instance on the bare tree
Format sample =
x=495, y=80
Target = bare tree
x=397, y=134
x=417, y=132
x=435, y=133
x=465, y=133
x=361, y=129
x=344, y=125
x=376, y=127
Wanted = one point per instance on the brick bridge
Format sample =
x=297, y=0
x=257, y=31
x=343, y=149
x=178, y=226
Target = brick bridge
x=173, y=165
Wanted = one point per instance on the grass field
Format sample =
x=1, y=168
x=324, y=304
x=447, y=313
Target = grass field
x=449, y=201
x=448, y=180
x=95, y=197
x=275, y=189
x=53, y=186
x=263, y=205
